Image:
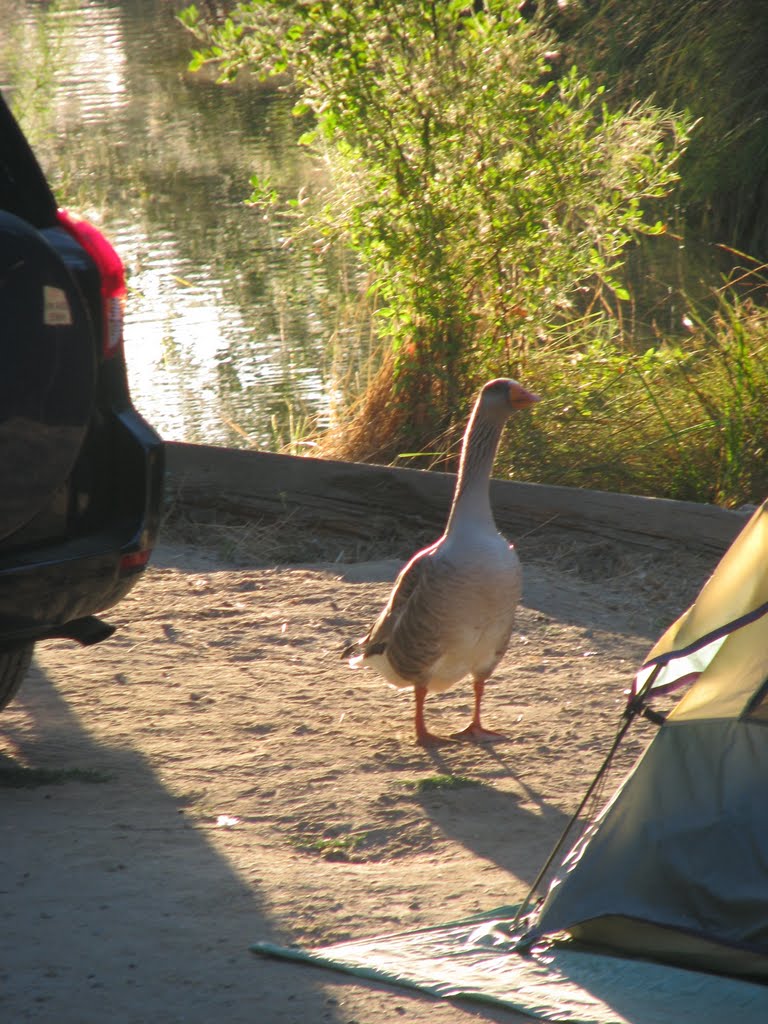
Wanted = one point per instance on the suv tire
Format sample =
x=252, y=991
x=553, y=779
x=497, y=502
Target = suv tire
x=14, y=665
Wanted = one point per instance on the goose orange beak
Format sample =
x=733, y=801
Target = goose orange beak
x=520, y=397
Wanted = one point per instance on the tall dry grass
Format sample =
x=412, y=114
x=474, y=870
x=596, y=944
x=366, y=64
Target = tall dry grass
x=684, y=418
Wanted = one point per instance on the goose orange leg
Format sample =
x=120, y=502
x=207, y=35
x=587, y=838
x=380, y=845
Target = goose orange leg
x=475, y=731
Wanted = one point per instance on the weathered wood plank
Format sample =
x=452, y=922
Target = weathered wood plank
x=362, y=499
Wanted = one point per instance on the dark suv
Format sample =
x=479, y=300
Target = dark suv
x=81, y=473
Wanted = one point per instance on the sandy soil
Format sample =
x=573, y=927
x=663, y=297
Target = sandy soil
x=214, y=775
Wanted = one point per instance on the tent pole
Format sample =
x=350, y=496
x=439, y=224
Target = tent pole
x=632, y=710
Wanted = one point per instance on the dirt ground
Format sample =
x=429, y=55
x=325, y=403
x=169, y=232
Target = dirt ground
x=214, y=775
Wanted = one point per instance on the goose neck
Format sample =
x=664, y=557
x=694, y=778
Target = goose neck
x=472, y=495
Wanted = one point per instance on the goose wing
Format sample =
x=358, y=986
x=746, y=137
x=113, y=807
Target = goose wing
x=412, y=578
x=420, y=630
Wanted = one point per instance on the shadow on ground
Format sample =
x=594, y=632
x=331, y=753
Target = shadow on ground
x=115, y=907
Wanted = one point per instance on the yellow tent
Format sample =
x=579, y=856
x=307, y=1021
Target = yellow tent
x=676, y=866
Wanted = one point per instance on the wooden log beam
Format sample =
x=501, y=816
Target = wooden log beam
x=362, y=499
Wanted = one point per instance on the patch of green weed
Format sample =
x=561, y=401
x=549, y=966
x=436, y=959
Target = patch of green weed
x=331, y=847
x=440, y=782
x=17, y=776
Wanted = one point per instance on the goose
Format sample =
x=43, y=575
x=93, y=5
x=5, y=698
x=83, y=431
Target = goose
x=452, y=608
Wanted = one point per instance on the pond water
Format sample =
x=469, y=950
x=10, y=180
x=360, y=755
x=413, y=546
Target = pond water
x=228, y=328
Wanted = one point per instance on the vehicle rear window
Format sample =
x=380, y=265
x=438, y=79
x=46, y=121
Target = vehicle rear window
x=23, y=187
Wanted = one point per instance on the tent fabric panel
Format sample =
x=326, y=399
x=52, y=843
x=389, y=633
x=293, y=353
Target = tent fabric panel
x=683, y=845
x=676, y=669
x=738, y=586
x=727, y=685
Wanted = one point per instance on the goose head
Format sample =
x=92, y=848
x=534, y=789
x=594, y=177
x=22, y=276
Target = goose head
x=503, y=396
x=497, y=401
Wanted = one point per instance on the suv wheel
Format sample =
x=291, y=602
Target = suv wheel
x=14, y=664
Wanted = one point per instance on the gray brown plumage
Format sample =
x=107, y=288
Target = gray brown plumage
x=452, y=608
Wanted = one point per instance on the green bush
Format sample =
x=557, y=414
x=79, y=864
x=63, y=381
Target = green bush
x=488, y=198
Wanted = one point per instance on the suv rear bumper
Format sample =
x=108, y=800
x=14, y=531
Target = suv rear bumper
x=47, y=586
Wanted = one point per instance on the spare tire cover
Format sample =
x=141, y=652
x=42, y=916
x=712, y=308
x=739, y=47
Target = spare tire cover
x=47, y=372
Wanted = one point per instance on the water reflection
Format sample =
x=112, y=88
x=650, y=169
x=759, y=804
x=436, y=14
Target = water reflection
x=227, y=327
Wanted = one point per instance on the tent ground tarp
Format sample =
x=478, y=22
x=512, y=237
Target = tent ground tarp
x=475, y=959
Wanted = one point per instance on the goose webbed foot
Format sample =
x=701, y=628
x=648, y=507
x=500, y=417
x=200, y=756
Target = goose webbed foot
x=476, y=733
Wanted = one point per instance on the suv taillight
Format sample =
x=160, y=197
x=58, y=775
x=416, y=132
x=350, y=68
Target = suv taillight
x=111, y=272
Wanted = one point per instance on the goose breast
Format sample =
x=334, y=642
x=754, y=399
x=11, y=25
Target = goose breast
x=458, y=621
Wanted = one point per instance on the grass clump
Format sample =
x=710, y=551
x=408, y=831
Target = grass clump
x=332, y=847
x=18, y=776
x=440, y=782
x=685, y=420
